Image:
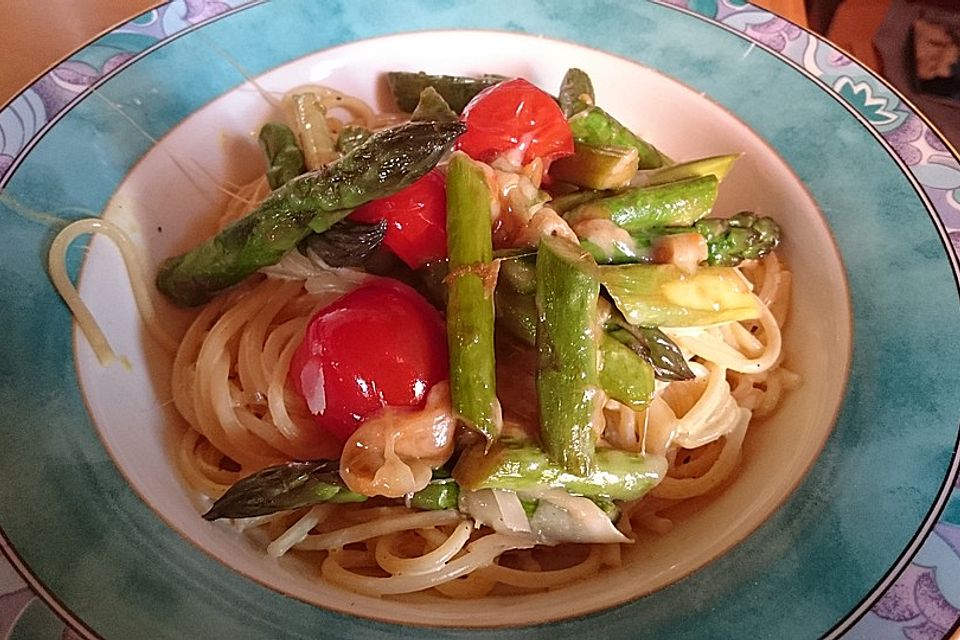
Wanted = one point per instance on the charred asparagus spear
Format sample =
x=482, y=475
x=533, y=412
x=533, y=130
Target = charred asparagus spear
x=385, y=163
x=294, y=485
x=576, y=92
x=457, y=91
x=288, y=486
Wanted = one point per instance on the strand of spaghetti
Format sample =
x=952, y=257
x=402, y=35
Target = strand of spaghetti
x=57, y=262
x=195, y=472
x=480, y=553
x=342, y=537
x=467, y=587
x=288, y=337
x=251, y=368
x=659, y=426
x=545, y=579
x=216, y=409
x=771, y=279
x=299, y=530
x=683, y=488
x=741, y=338
x=714, y=349
x=610, y=555
x=394, y=564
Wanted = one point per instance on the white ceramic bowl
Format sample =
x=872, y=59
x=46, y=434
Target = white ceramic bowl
x=170, y=200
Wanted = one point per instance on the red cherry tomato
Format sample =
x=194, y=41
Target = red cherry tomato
x=416, y=220
x=515, y=115
x=382, y=344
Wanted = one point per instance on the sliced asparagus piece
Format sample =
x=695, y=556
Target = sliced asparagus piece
x=440, y=493
x=596, y=167
x=651, y=344
x=470, y=300
x=568, y=385
x=284, y=158
x=742, y=237
x=718, y=166
x=387, y=162
x=640, y=208
x=624, y=376
x=662, y=295
x=457, y=91
x=597, y=127
x=351, y=137
x=432, y=106
x=345, y=244
x=523, y=467
x=576, y=92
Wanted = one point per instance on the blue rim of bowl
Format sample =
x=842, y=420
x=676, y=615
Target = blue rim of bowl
x=859, y=90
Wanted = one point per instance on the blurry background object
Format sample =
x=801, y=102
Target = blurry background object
x=883, y=34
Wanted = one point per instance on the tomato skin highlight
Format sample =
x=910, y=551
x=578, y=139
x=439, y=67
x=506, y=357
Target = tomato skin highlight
x=416, y=220
x=381, y=345
x=515, y=115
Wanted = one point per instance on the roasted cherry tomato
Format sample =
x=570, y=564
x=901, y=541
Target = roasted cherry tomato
x=515, y=115
x=382, y=344
x=416, y=220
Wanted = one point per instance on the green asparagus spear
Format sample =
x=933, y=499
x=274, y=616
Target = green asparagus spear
x=640, y=208
x=626, y=373
x=517, y=312
x=597, y=127
x=284, y=158
x=470, y=300
x=388, y=161
x=432, y=107
x=288, y=486
x=576, y=92
x=520, y=274
x=718, y=166
x=441, y=493
x=570, y=201
x=351, y=137
x=596, y=167
x=523, y=467
x=742, y=237
x=661, y=295
x=652, y=345
x=568, y=382
x=457, y=91
x=624, y=376
x=728, y=241
x=345, y=244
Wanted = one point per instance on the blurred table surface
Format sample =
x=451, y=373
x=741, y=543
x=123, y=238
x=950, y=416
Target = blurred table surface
x=35, y=35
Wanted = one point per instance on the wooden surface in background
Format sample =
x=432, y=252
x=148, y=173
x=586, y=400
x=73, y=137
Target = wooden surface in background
x=853, y=26
x=37, y=34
